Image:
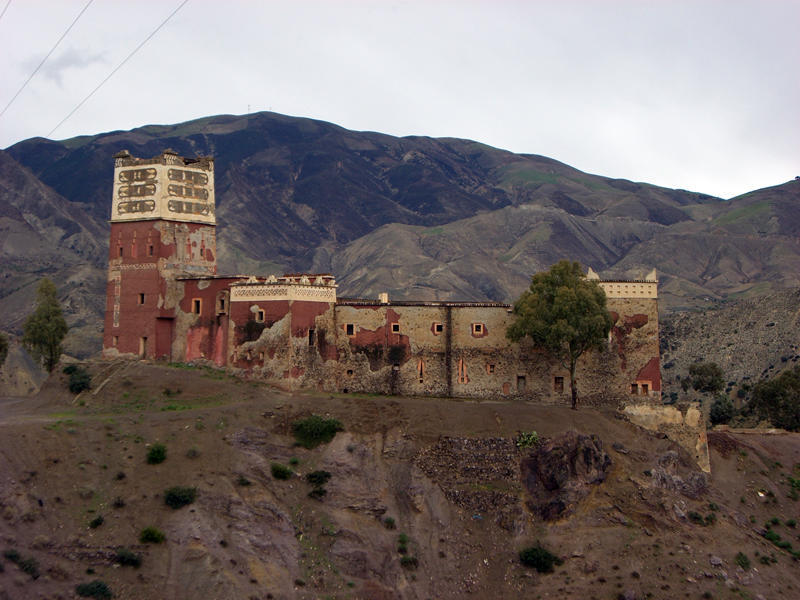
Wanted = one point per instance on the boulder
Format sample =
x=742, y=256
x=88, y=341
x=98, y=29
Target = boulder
x=560, y=472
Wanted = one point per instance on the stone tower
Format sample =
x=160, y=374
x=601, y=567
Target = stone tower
x=162, y=228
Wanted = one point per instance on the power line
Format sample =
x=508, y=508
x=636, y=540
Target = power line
x=5, y=9
x=118, y=67
x=44, y=60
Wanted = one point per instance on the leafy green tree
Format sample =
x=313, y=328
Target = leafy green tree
x=45, y=328
x=563, y=313
x=721, y=410
x=3, y=348
x=706, y=377
x=779, y=400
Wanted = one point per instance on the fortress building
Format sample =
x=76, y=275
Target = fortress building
x=165, y=301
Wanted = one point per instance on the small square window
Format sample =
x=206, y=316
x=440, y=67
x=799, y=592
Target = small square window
x=350, y=329
x=634, y=388
x=490, y=368
x=349, y=372
x=395, y=327
x=141, y=298
x=438, y=328
x=477, y=328
x=197, y=306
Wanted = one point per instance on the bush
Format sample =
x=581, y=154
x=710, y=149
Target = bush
x=280, y=471
x=96, y=522
x=721, y=410
x=79, y=379
x=315, y=430
x=409, y=562
x=539, y=558
x=779, y=400
x=178, y=497
x=95, y=589
x=118, y=502
x=243, y=481
x=526, y=439
x=151, y=535
x=706, y=377
x=317, y=493
x=389, y=523
x=742, y=560
x=156, y=454
x=127, y=558
x=318, y=478
x=30, y=567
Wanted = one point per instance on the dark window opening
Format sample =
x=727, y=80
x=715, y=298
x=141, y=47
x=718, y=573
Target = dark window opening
x=634, y=388
x=645, y=389
x=395, y=327
x=150, y=250
x=141, y=298
x=438, y=328
x=350, y=329
x=260, y=316
x=197, y=305
x=520, y=383
x=558, y=384
x=120, y=251
x=349, y=372
x=490, y=368
x=310, y=337
x=477, y=328
x=396, y=367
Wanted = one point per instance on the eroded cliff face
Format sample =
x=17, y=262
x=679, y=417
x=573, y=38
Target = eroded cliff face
x=427, y=498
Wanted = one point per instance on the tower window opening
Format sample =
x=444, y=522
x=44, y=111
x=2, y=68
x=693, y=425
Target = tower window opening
x=395, y=327
x=311, y=333
x=197, y=305
x=141, y=298
x=260, y=316
x=150, y=250
x=350, y=329
x=120, y=251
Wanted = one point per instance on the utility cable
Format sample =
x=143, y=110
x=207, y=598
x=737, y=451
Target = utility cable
x=5, y=9
x=118, y=67
x=44, y=60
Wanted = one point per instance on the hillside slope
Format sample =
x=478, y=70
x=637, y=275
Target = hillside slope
x=448, y=473
x=418, y=217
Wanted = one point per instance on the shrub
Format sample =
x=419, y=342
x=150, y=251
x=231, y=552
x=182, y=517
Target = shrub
x=79, y=380
x=156, y=454
x=243, y=481
x=280, y=471
x=151, y=535
x=317, y=493
x=177, y=497
x=30, y=567
x=791, y=523
x=389, y=523
x=127, y=558
x=96, y=522
x=779, y=399
x=118, y=502
x=12, y=555
x=95, y=589
x=526, y=439
x=315, y=430
x=294, y=461
x=409, y=562
x=721, y=410
x=706, y=377
x=772, y=536
x=696, y=518
x=318, y=478
x=192, y=453
x=774, y=521
x=742, y=560
x=539, y=558
x=69, y=369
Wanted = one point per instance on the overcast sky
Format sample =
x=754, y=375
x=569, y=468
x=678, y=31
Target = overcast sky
x=703, y=96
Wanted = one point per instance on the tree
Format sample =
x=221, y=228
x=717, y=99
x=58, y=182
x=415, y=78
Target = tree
x=45, y=328
x=779, y=399
x=3, y=348
x=706, y=377
x=563, y=313
x=721, y=410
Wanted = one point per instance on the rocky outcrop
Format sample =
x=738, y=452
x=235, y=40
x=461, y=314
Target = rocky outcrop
x=559, y=474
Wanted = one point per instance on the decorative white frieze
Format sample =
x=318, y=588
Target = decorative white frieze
x=264, y=292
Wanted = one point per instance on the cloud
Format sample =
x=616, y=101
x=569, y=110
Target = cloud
x=70, y=58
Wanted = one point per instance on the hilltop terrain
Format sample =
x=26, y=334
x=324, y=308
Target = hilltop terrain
x=441, y=482
x=419, y=217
